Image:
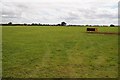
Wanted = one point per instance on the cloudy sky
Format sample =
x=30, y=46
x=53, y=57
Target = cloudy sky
x=103, y=12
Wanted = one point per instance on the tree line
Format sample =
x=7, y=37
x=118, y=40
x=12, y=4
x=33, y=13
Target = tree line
x=34, y=24
x=62, y=24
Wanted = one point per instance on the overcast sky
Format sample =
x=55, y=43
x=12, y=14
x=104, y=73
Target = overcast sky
x=55, y=11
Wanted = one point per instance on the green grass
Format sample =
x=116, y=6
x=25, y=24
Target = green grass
x=0, y=51
x=59, y=52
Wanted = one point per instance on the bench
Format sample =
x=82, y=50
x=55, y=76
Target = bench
x=92, y=29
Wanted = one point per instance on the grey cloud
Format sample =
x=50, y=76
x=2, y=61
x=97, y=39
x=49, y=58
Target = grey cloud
x=12, y=11
x=71, y=17
x=109, y=16
x=54, y=13
x=95, y=14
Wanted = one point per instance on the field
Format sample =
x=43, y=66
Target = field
x=0, y=51
x=59, y=52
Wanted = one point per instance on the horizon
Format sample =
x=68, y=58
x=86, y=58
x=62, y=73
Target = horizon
x=60, y=23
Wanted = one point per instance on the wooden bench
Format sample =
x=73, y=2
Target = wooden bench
x=92, y=29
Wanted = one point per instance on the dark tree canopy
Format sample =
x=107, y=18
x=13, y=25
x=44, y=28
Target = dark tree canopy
x=63, y=23
x=112, y=25
x=10, y=23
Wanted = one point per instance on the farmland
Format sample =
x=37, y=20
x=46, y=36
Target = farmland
x=59, y=52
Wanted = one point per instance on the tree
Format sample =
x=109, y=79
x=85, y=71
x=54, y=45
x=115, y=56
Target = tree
x=25, y=24
x=112, y=25
x=58, y=24
x=10, y=23
x=63, y=24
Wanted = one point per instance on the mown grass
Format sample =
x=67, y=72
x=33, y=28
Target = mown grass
x=0, y=51
x=59, y=52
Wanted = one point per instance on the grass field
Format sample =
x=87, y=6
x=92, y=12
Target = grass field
x=0, y=51
x=59, y=52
